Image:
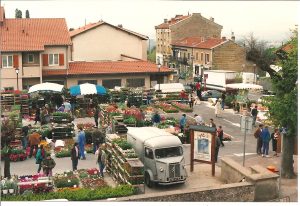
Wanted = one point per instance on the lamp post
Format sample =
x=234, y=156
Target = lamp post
x=17, y=72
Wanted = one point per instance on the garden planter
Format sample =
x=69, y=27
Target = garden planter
x=11, y=191
x=5, y=192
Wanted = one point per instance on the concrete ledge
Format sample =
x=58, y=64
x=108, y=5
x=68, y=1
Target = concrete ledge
x=237, y=192
x=266, y=183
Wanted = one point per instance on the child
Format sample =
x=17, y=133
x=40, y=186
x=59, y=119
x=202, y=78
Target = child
x=48, y=164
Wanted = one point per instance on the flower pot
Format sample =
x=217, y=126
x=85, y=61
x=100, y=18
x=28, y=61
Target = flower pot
x=11, y=191
x=5, y=192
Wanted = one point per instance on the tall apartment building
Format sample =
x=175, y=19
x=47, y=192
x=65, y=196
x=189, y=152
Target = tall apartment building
x=181, y=27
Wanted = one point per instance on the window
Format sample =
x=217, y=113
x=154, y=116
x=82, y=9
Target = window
x=7, y=61
x=206, y=58
x=188, y=55
x=168, y=152
x=53, y=59
x=148, y=153
x=140, y=82
x=87, y=81
x=30, y=58
x=201, y=56
x=8, y=88
x=111, y=83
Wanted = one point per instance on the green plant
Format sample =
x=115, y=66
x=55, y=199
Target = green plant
x=77, y=195
x=63, y=153
x=68, y=181
x=122, y=143
x=130, y=120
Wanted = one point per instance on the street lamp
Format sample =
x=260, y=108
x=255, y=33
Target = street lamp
x=17, y=72
x=158, y=66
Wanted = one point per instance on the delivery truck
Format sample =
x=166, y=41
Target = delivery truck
x=161, y=153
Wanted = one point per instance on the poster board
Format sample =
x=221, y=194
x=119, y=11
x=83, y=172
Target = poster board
x=202, y=140
x=202, y=146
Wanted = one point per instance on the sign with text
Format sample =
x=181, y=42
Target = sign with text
x=202, y=146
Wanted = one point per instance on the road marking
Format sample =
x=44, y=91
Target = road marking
x=241, y=154
x=234, y=124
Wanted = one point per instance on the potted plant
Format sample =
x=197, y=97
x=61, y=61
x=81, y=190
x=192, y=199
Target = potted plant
x=4, y=189
x=11, y=186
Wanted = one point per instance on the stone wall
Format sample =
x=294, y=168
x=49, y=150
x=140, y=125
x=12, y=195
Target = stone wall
x=229, y=56
x=237, y=192
x=265, y=182
x=196, y=25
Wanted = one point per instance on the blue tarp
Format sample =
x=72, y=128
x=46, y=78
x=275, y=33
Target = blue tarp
x=75, y=90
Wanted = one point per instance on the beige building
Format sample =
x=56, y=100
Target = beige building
x=28, y=46
x=181, y=27
x=103, y=41
x=208, y=53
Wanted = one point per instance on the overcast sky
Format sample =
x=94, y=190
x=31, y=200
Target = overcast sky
x=268, y=20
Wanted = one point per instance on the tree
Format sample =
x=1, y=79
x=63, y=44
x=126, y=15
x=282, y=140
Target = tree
x=27, y=14
x=152, y=55
x=258, y=52
x=283, y=106
x=18, y=14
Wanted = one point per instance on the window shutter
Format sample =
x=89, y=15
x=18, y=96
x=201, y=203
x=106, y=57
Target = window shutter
x=61, y=60
x=1, y=61
x=45, y=60
x=16, y=61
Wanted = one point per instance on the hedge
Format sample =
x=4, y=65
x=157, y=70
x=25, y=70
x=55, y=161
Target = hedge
x=77, y=195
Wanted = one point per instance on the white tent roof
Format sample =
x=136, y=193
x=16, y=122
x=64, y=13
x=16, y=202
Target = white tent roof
x=171, y=87
x=243, y=86
x=47, y=86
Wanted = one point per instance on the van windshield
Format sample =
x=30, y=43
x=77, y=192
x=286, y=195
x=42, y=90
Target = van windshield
x=168, y=152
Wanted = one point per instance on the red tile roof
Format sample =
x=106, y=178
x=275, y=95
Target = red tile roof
x=94, y=25
x=2, y=15
x=33, y=34
x=196, y=42
x=108, y=67
x=174, y=20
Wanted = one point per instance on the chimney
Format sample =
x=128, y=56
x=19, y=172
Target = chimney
x=120, y=25
x=223, y=38
x=165, y=20
x=232, y=36
x=212, y=19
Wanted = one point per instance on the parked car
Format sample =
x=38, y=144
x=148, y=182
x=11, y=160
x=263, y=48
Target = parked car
x=211, y=94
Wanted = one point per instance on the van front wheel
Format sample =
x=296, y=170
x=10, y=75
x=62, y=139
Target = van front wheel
x=148, y=181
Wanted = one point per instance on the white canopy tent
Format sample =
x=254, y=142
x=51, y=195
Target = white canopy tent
x=171, y=87
x=46, y=87
x=244, y=86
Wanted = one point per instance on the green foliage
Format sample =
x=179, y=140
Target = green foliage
x=18, y=14
x=130, y=120
x=77, y=195
x=63, y=153
x=68, y=181
x=27, y=14
x=152, y=55
x=122, y=143
x=229, y=100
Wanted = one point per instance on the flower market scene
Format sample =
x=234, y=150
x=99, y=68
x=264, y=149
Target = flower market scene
x=101, y=113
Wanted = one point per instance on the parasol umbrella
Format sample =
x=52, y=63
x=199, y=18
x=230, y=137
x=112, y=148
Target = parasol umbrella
x=46, y=87
x=87, y=88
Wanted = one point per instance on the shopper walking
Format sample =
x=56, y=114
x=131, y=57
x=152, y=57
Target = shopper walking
x=37, y=115
x=24, y=139
x=182, y=123
x=254, y=113
x=218, y=108
x=223, y=100
x=48, y=164
x=276, y=142
x=97, y=139
x=257, y=135
x=220, y=134
x=81, y=142
x=101, y=159
x=34, y=141
x=198, y=90
x=191, y=100
x=265, y=134
x=198, y=119
x=96, y=115
x=40, y=156
x=75, y=156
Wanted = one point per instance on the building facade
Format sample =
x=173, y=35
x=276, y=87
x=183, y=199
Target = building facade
x=195, y=54
x=181, y=27
x=103, y=41
x=30, y=45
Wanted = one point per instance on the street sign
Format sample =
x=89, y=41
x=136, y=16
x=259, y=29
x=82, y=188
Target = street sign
x=246, y=123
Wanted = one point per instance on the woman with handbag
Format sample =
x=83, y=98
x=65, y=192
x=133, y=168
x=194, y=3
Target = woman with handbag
x=40, y=156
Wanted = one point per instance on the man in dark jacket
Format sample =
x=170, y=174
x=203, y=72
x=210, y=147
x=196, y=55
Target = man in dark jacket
x=254, y=113
x=96, y=115
x=257, y=135
x=97, y=139
x=24, y=139
x=75, y=156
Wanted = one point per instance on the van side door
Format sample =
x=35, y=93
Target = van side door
x=149, y=161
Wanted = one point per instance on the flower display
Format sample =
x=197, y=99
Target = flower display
x=88, y=125
x=93, y=171
x=16, y=155
x=182, y=107
x=133, y=112
x=93, y=183
x=68, y=181
x=168, y=108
